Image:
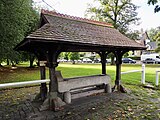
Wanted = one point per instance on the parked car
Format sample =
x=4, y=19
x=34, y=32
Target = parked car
x=149, y=61
x=96, y=61
x=108, y=60
x=128, y=60
x=62, y=60
x=86, y=60
x=155, y=56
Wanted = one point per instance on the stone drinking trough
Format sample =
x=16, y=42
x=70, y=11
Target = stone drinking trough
x=72, y=85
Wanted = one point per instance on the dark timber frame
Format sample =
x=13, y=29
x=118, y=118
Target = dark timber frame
x=61, y=33
x=119, y=54
x=103, y=55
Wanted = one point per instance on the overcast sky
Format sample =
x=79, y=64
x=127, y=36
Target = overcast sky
x=149, y=19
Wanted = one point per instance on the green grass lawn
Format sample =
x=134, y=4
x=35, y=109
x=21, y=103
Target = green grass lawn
x=69, y=70
x=139, y=103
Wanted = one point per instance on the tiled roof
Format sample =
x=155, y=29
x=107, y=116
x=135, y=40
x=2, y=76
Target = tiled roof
x=75, y=18
x=64, y=28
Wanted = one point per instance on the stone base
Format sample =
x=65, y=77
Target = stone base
x=52, y=103
x=67, y=97
x=108, y=88
x=37, y=97
x=119, y=88
x=57, y=104
x=45, y=105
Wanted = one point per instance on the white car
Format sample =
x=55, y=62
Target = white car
x=86, y=60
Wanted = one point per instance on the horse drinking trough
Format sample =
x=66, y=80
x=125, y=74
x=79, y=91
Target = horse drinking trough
x=63, y=33
x=66, y=85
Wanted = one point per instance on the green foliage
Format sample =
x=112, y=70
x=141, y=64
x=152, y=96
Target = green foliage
x=135, y=57
x=81, y=54
x=17, y=20
x=134, y=35
x=154, y=2
x=74, y=56
x=64, y=55
x=152, y=33
x=121, y=13
x=111, y=55
x=157, y=37
x=125, y=55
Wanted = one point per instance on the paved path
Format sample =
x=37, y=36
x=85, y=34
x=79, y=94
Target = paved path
x=16, y=105
x=144, y=104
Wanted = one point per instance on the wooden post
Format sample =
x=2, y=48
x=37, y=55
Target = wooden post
x=118, y=73
x=43, y=88
x=103, y=62
x=53, y=86
x=52, y=64
x=55, y=103
x=119, y=54
x=103, y=56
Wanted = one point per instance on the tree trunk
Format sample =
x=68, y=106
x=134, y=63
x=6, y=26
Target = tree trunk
x=17, y=61
x=31, y=59
x=73, y=62
x=1, y=65
x=13, y=64
x=7, y=61
x=112, y=60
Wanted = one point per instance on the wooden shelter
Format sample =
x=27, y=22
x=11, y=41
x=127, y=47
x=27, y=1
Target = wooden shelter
x=63, y=33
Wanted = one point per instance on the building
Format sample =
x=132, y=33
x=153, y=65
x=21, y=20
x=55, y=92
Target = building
x=145, y=40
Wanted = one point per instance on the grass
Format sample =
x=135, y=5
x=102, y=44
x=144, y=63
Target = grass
x=69, y=70
x=139, y=103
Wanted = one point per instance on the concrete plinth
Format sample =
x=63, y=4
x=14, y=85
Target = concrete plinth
x=108, y=88
x=52, y=102
x=67, y=97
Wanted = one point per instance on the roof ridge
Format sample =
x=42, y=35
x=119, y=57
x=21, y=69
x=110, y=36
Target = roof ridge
x=76, y=18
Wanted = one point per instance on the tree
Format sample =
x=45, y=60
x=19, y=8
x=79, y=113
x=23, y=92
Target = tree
x=134, y=35
x=73, y=56
x=152, y=33
x=66, y=55
x=120, y=13
x=154, y=2
x=17, y=20
x=157, y=37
